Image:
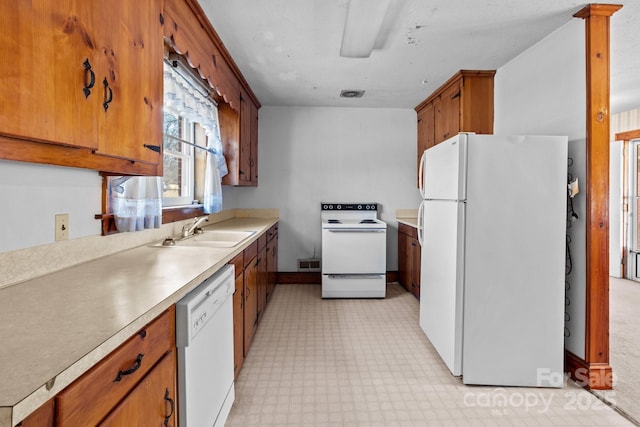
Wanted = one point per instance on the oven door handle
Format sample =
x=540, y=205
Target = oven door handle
x=355, y=230
x=355, y=276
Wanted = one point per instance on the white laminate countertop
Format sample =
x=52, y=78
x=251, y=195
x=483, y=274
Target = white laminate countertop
x=408, y=217
x=54, y=328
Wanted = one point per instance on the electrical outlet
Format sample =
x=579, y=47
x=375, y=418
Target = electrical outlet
x=62, y=227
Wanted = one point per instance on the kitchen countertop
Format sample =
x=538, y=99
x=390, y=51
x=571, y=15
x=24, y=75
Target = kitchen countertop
x=408, y=217
x=56, y=327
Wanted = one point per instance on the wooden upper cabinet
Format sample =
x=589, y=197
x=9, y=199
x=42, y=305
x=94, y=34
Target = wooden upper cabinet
x=52, y=58
x=82, y=74
x=463, y=104
x=248, y=173
x=130, y=51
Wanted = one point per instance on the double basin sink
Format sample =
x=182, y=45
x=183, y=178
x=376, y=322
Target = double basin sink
x=212, y=239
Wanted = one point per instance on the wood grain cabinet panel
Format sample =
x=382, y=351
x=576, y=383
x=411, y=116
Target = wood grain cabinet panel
x=90, y=398
x=83, y=74
x=238, y=325
x=409, y=259
x=463, y=104
x=250, y=302
x=44, y=416
x=42, y=86
x=130, y=50
x=153, y=402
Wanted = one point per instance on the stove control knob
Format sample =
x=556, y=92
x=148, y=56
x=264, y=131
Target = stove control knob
x=325, y=207
x=359, y=207
x=339, y=207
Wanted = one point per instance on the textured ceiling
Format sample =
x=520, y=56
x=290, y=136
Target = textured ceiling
x=288, y=50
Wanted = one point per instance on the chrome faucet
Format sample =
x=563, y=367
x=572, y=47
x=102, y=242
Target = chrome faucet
x=190, y=229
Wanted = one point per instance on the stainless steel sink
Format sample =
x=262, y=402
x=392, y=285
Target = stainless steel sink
x=212, y=239
x=218, y=238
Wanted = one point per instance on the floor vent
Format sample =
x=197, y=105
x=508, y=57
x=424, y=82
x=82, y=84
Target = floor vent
x=309, y=264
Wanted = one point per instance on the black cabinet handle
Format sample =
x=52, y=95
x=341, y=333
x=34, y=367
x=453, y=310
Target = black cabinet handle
x=131, y=370
x=108, y=95
x=171, y=405
x=92, y=78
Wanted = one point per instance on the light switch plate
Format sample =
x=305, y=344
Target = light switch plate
x=62, y=227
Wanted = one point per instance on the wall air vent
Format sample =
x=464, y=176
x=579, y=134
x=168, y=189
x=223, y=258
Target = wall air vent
x=351, y=93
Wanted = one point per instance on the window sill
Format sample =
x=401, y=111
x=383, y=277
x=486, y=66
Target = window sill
x=169, y=214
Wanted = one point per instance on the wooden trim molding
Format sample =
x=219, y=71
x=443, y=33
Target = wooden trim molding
x=596, y=362
x=628, y=135
x=594, y=376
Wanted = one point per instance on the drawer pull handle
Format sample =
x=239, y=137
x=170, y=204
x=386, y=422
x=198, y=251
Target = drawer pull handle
x=131, y=370
x=172, y=407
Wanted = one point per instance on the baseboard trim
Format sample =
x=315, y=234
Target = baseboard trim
x=315, y=278
x=592, y=376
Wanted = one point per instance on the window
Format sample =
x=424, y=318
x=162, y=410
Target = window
x=178, y=170
x=193, y=163
x=190, y=133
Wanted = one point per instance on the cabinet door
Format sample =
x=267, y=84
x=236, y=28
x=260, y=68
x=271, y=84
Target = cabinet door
x=272, y=266
x=250, y=303
x=45, y=45
x=403, y=260
x=44, y=416
x=414, y=269
x=131, y=51
x=245, y=160
x=426, y=131
x=238, y=322
x=448, y=114
x=262, y=281
x=153, y=401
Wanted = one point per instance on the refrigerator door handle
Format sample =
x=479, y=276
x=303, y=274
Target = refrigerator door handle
x=421, y=223
x=421, y=175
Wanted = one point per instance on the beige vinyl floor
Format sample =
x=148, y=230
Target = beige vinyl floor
x=624, y=347
x=359, y=362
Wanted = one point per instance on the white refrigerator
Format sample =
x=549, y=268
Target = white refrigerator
x=492, y=229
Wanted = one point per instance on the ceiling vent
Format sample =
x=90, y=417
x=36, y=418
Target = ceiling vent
x=351, y=93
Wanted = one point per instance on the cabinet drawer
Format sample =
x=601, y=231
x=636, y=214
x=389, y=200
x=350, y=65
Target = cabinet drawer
x=92, y=396
x=250, y=253
x=238, y=263
x=408, y=230
x=262, y=241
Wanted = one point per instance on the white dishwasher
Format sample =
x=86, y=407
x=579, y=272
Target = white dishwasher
x=204, y=337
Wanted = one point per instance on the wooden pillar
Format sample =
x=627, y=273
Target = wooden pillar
x=595, y=371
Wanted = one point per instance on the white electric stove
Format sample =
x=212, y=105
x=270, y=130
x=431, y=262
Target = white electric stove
x=354, y=251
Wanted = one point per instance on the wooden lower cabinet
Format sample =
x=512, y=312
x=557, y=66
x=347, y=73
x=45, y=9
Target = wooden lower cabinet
x=255, y=281
x=409, y=259
x=133, y=371
x=250, y=302
x=44, y=416
x=238, y=319
x=262, y=275
x=272, y=261
x=153, y=401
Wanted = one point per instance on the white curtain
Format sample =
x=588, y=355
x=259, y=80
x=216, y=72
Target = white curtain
x=185, y=97
x=136, y=202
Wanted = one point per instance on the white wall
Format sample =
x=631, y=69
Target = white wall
x=33, y=194
x=313, y=155
x=543, y=91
